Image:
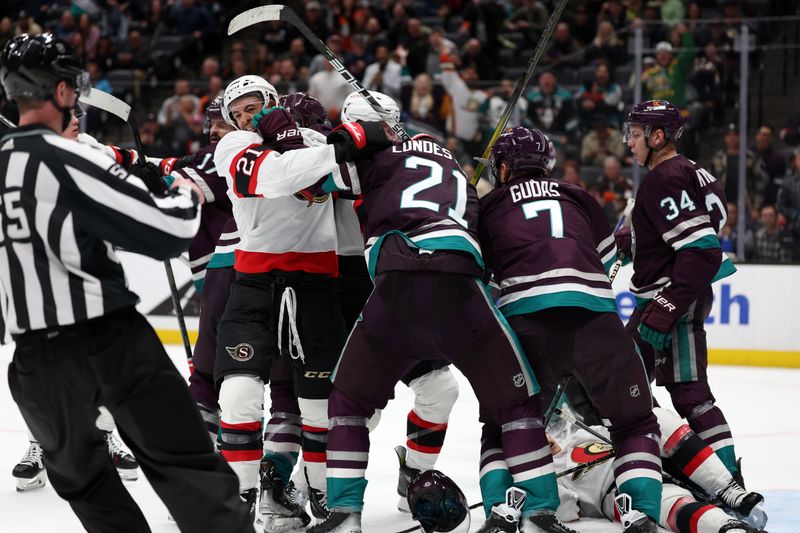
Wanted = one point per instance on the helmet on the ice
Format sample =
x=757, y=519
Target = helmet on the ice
x=356, y=107
x=213, y=112
x=436, y=502
x=243, y=86
x=306, y=110
x=653, y=115
x=523, y=149
x=32, y=65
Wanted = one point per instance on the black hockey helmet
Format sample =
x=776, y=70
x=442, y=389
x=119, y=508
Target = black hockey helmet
x=32, y=65
x=213, y=112
x=436, y=502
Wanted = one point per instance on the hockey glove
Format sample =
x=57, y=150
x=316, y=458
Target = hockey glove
x=278, y=129
x=353, y=141
x=659, y=318
x=150, y=174
x=624, y=242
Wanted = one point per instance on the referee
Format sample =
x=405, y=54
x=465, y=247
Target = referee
x=79, y=341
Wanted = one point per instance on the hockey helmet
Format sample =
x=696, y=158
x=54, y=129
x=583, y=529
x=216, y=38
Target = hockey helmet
x=523, y=149
x=213, y=112
x=32, y=65
x=243, y=86
x=356, y=107
x=652, y=115
x=306, y=110
x=436, y=502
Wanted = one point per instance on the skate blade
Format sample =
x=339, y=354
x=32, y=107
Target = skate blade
x=128, y=474
x=36, y=482
x=278, y=523
x=757, y=517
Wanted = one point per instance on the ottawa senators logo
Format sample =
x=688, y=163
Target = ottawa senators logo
x=310, y=199
x=586, y=453
x=241, y=352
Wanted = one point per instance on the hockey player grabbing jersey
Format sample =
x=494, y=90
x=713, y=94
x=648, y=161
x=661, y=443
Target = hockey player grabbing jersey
x=420, y=219
x=549, y=247
x=679, y=209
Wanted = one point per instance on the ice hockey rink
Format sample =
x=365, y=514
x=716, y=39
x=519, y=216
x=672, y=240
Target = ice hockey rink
x=760, y=403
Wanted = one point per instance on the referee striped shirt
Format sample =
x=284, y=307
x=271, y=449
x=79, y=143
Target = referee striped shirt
x=64, y=206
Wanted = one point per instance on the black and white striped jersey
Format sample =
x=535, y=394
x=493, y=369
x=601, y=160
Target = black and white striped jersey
x=64, y=207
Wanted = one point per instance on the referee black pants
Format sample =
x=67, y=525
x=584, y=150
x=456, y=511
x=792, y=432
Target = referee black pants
x=58, y=380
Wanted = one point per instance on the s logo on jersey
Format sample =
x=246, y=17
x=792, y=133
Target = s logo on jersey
x=241, y=352
x=588, y=452
x=310, y=199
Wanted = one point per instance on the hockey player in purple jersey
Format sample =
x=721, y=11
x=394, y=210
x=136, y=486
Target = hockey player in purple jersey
x=548, y=244
x=420, y=220
x=679, y=209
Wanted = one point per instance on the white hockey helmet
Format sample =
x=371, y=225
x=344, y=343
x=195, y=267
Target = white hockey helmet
x=356, y=107
x=243, y=86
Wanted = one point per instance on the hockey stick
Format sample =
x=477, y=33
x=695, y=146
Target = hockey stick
x=521, y=84
x=548, y=415
x=624, y=220
x=7, y=123
x=115, y=106
x=569, y=417
x=286, y=14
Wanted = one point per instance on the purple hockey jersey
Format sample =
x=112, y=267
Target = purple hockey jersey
x=548, y=244
x=679, y=208
x=416, y=202
x=216, y=212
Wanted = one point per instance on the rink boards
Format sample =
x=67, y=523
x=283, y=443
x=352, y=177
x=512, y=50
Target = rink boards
x=754, y=320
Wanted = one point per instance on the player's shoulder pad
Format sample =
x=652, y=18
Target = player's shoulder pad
x=312, y=137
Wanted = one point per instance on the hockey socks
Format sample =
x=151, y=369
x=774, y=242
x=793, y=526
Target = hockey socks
x=637, y=470
x=347, y=453
x=241, y=400
x=282, y=442
x=435, y=393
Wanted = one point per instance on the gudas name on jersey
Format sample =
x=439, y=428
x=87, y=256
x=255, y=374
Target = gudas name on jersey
x=534, y=189
x=422, y=145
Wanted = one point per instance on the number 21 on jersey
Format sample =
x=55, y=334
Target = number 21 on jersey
x=409, y=199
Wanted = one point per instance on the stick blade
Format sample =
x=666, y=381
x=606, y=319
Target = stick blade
x=107, y=102
x=254, y=16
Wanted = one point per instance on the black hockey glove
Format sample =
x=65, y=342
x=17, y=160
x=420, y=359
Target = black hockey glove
x=659, y=318
x=150, y=174
x=353, y=141
x=624, y=242
x=278, y=129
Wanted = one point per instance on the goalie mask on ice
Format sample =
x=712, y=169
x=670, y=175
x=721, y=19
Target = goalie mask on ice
x=436, y=502
x=523, y=149
x=247, y=86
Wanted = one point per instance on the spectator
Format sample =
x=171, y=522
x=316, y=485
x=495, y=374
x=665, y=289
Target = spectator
x=329, y=88
x=493, y=108
x=398, y=24
x=790, y=132
x=599, y=97
x=667, y=80
x=484, y=20
x=153, y=143
x=425, y=108
x=90, y=33
x=672, y=11
x=708, y=80
x=528, y=17
x=474, y=57
x=465, y=121
x=438, y=45
x=552, y=109
x=606, y=46
x=563, y=45
x=769, y=243
x=728, y=233
x=616, y=188
x=457, y=150
x=210, y=68
x=385, y=75
x=773, y=161
x=98, y=78
x=26, y=24
x=156, y=22
x=725, y=165
x=416, y=42
x=315, y=19
x=106, y=53
x=789, y=196
x=581, y=26
x=192, y=18
x=169, y=111
x=214, y=87
x=334, y=43
x=601, y=142
x=571, y=173
x=6, y=30
x=356, y=59
x=262, y=60
x=297, y=53
x=66, y=26
x=375, y=34
x=277, y=37
x=285, y=77
x=613, y=11
x=135, y=54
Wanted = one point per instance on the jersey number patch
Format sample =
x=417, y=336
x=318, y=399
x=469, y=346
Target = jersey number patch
x=408, y=198
x=532, y=210
x=18, y=227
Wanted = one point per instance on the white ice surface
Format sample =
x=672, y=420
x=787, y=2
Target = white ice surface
x=761, y=405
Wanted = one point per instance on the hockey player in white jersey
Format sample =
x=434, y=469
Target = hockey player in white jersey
x=590, y=491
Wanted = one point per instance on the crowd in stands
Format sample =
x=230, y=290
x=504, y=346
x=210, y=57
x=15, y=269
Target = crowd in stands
x=453, y=65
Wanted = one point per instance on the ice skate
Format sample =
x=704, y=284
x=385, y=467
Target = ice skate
x=249, y=498
x=278, y=510
x=29, y=472
x=338, y=522
x=735, y=526
x=404, y=477
x=505, y=516
x=543, y=522
x=747, y=506
x=633, y=521
x=126, y=464
x=319, y=503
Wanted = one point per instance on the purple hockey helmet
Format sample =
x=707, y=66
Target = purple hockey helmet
x=213, y=112
x=523, y=149
x=306, y=110
x=436, y=502
x=652, y=115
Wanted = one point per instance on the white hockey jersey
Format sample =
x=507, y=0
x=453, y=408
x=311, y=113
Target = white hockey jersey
x=279, y=230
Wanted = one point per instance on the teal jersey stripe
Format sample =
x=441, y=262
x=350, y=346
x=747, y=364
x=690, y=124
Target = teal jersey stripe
x=436, y=243
x=198, y=284
x=532, y=304
x=609, y=264
x=222, y=260
x=684, y=350
x=706, y=242
x=725, y=269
